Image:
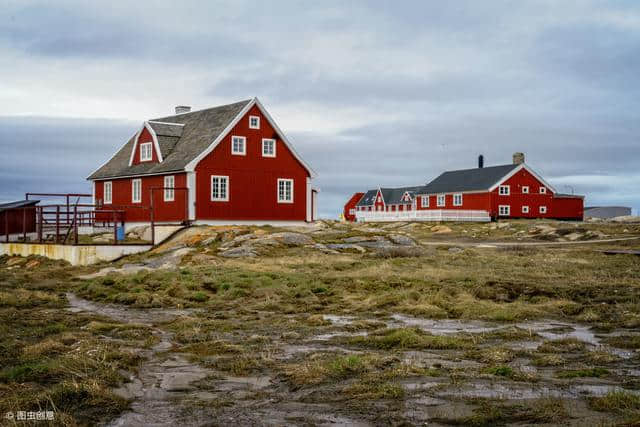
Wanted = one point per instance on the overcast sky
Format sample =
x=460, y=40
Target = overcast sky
x=371, y=93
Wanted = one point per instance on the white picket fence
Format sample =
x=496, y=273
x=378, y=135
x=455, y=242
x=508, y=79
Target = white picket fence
x=423, y=215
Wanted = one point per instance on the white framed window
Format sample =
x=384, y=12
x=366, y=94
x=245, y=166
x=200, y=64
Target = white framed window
x=254, y=122
x=441, y=200
x=219, y=188
x=285, y=190
x=457, y=199
x=146, y=151
x=525, y=209
x=424, y=201
x=268, y=147
x=169, y=184
x=136, y=191
x=543, y=190
x=525, y=189
x=239, y=145
x=108, y=192
x=504, y=210
x=504, y=190
x=543, y=209
x=352, y=211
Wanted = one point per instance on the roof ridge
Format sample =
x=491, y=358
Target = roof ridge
x=244, y=101
x=486, y=167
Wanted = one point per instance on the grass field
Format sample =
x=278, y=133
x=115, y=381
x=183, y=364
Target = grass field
x=343, y=326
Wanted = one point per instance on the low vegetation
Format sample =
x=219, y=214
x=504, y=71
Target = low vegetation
x=438, y=333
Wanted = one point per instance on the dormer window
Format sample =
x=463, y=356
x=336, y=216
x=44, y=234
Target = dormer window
x=239, y=145
x=146, y=152
x=254, y=122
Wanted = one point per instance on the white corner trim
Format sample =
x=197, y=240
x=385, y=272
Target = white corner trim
x=193, y=163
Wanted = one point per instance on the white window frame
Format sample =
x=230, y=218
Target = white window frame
x=525, y=189
x=146, y=151
x=268, y=140
x=454, y=199
x=219, y=188
x=244, y=145
x=107, y=200
x=543, y=190
x=543, y=209
x=169, y=182
x=504, y=190
x=525, y=209
x=504, y=210
x=285, y=181
x=424, y=201
x=137, y=199
x=441, y=200
x=257, y=125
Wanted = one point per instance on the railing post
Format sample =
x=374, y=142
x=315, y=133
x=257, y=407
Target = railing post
x=67, y=209
x=57, y=222
x=75, y=222
x=39, y=222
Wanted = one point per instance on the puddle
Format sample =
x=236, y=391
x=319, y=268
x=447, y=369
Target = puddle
x=339, y=320
x=445, y=326
x=510, y=391
x=329, y=336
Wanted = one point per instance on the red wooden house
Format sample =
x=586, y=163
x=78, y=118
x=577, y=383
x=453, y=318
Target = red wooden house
x=227, y=164
x=349, y=210
x=507, y=191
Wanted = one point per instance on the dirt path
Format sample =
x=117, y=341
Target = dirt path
x=163, y=385
x=491, y=244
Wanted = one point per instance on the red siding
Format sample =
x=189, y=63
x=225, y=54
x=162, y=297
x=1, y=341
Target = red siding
x=145, y=136
x=470, y=201
x=517, y=199
x=568, y=208
x=252, y=178
x=379, y=203
x=351, y=204
x=174, y=211
x=11, y=220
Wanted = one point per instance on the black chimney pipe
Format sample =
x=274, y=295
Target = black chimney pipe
x=480, y=161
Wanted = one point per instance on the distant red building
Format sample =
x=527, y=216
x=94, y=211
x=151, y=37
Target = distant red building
x=349, y=210
x=230, y=163
x=506, y=191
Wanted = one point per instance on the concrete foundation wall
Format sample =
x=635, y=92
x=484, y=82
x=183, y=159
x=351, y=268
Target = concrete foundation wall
x=76, y=255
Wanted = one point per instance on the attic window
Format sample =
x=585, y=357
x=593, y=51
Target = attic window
x=504, y=190
x=543, y=190
x=146, y=152
x=254, y=122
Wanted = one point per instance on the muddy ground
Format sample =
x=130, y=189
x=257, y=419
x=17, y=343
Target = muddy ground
x=335, y=324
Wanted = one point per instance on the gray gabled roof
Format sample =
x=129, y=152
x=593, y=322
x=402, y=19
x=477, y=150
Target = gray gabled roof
x=179, y=145
x=368, y=199
x=17, y=204
x=477, y=179
x=393, y=196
